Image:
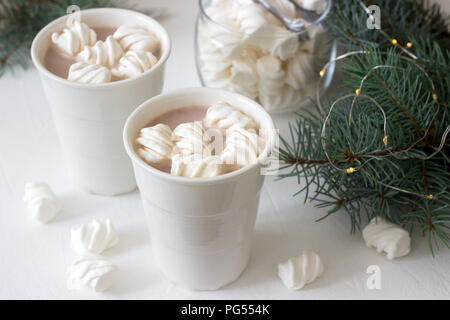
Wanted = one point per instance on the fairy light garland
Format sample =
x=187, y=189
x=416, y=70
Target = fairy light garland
x=358, y=95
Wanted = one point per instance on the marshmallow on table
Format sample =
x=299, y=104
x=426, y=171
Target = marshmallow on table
x=134, y=63
x=155, y=144
x=299, y=271
x=189, y=138
x=41, y=201
x=88, y=73
x=222, y=116
x=106, y=53
x=136, y=38
x=388, y=237
x=242, y=147
x=93, y=272
x=72, y=40
x=94, y=237
x=196, y=166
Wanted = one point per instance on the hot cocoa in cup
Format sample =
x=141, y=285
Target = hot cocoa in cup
x=200, y=141
x=89, y=106
x=200, y=217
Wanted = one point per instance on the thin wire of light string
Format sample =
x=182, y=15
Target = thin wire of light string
x=358, y=94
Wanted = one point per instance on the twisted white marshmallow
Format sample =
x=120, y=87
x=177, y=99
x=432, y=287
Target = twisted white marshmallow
x=41, y=201
x=106, y=53
x=388, y=237
x=94, y=237
x=134, y=63
x=88, y=73
x=190, y=139
x=285, y=7
x=230, y=44
x=94, y=272
x=222, y=116
x=271, y=75
x=215, y=67
x=242, y=147
x=136, y=38
x=280, y=42
x=155, y=144
x=299, y=271
x=250, y=18
x=223, y=46
x=244, y=79
x=72, y=40
x=273, y=93
x=196, y=166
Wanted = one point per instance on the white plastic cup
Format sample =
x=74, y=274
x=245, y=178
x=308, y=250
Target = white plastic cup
x=89, y=118
x=201, y=228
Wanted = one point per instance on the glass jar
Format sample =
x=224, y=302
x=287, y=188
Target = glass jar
x=240, y=46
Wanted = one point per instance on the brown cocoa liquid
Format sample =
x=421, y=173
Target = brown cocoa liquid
x=181, y=115
x=59, y=63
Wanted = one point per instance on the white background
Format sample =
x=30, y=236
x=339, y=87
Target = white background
x=34, y=257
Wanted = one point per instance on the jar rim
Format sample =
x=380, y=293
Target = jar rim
x=322, y=17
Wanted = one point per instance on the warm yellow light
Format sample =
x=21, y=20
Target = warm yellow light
x=350, y=170
x=357, y=91
x=385, y=140
x=434, y=96
x=430, y=196
x=394, y=41
x=409, y=44
x=322, y=72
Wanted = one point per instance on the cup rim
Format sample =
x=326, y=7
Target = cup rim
x=223, y=178
x=319, y=20
x=108, y=85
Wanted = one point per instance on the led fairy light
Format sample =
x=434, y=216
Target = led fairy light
x=414, y=63
x=385, y=138
x=323, y=71
x=411, y=59
x=394, y=41
x=324, y=126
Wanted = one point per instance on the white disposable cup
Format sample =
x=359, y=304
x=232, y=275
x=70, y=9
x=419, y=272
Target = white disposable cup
x=89, y=118
x=201, y=228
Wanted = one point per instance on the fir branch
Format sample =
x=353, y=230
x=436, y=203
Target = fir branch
x=406, y=180
x=21, y=20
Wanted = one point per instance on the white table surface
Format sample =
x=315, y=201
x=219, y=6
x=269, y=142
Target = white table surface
x=34, y=257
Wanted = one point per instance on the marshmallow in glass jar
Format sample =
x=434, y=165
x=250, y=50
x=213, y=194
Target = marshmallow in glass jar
x=244, y=48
